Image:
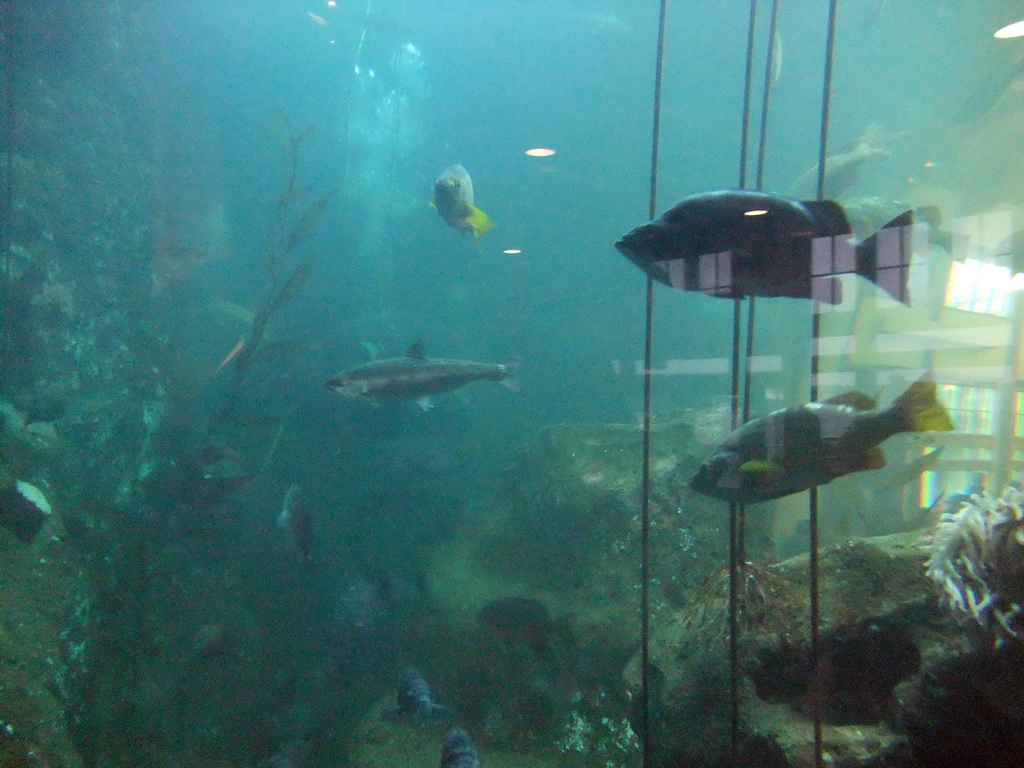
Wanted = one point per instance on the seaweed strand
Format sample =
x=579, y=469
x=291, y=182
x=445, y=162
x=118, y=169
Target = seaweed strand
x=283, y=238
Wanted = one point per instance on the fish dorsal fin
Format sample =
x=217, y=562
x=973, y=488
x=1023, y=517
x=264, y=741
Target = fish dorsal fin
x=830, y=215
x=856, y=400
x=415, y=350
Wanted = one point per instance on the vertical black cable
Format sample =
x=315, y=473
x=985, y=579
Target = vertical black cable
x=769, y=66
x=741, y=523
x=826, y=96
x=815, y=678
x=745, y=126
x=7, y=194
x=645, y=480
x=736, y=511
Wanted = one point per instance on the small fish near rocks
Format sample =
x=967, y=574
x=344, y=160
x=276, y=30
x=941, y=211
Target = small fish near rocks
x=23, y=509
x=458, y=750
x=416, y=377
x=297, y=521
x=415, y=704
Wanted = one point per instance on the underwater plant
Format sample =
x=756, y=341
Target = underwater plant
x=292, y=223
x=977, y=557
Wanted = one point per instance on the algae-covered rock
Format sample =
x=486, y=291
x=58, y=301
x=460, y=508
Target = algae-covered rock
x=560, y=541
x=44, y=645
x=568, y=515
x=880, y=627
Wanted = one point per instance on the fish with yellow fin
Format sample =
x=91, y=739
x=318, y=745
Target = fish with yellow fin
x=793, y=449
x=453, y=199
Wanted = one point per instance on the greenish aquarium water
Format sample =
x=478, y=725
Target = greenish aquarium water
x=511, y=383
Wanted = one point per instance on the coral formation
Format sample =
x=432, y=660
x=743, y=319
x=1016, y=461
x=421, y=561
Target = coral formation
x=977, y=557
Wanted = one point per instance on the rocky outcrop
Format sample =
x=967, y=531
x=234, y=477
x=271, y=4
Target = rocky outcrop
x=44, y=632
x=883, y=634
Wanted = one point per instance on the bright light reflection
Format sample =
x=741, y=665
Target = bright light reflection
x=331, y=3
x=512, y=250
x=759, y=212
x=539, y=152
x=1011, y=30
x=979, y=286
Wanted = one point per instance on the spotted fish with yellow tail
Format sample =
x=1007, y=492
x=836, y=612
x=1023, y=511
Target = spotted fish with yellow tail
x=453, y=199
x=793, y=449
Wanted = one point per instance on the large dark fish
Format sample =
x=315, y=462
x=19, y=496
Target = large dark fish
x=295, y=520
x=458, y=750
x=736, y=243
x=415, y=377
x=524, y=620
x=198, y=477
x=453, y=199
x=794, y=449
x=415, y=705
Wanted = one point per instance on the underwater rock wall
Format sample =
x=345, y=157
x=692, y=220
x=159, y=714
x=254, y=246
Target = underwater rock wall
x=79, y=392
x=78, y=376
x=44, y=631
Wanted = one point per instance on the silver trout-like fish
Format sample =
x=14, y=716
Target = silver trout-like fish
x=416, y=377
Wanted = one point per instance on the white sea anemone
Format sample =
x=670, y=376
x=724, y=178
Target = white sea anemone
x=977, y=558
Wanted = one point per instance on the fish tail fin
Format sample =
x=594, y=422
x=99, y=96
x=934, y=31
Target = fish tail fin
x=478, y=222
x=920, y=408
x=890, y=269
x=511, y=368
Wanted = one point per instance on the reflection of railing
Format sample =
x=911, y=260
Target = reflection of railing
x=965, y=326
x=985, y=444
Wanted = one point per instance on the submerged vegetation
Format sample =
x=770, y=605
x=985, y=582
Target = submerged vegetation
x=292, y=223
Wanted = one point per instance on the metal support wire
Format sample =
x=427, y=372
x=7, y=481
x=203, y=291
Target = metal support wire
x=737, y=512
x=735, y=560
x=769, y=68
x=7, y=194
x=645, y=481
x=815, y=678
x=748, y=79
